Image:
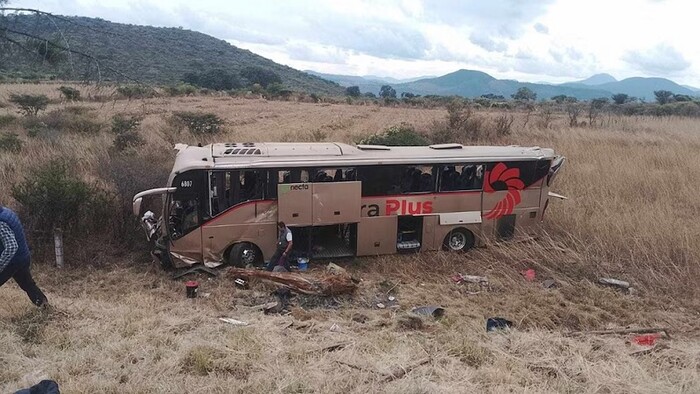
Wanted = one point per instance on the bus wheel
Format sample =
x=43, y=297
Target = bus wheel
x=458, y=240
x=244, y=254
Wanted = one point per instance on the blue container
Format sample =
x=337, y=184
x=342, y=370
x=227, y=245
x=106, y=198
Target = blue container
x=303, y=263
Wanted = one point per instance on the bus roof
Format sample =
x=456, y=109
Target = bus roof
x=317, y=154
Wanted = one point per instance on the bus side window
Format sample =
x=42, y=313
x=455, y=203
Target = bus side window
x=292, y=176
x=461, y=177
x=417, y=179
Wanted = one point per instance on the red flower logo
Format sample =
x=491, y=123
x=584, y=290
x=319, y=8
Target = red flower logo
x=503, y=178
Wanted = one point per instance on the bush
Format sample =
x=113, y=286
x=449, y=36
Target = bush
x=461, y=124
x=260, y=76
x=69, y=93
x=217, y=79
x=136, y=91
x=124, y=124
x=52, y=196
x=129, y=175
x=10, y=142
x=183, y=89
x=198, y=123
x=127, y=140
x=6, y=120
x=502, y=125
x=78, y=120
x=30, y=104
x=403, y=134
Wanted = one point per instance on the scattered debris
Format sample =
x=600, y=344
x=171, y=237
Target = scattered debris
x=233, y=321
x=626, y=331
x=392, y=298
x=434, y=311
x=194, y=270
x=335, y=328
x=263, y=307
x=614, y=282
x=380, y=305
x=550, y=284
x=481, y=281
x=529, y=275
x=241, y=283
x=646, y=339
x=206, y=295
x=336, y=269
x=325, y=285
x=191, y=288
x=497, y=323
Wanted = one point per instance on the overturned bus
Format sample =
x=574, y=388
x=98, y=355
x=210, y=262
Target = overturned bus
x=223, y=201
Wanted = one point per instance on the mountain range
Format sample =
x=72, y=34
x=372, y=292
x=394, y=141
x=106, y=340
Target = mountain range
x=471, y=83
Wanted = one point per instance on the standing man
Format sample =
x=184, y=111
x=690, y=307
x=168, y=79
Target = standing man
x=284, y=246
x=15, y=257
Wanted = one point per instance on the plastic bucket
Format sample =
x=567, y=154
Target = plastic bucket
x=303, y=264
x=191, y=287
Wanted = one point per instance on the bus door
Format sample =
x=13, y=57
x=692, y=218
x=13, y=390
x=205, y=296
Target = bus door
x=184, y=218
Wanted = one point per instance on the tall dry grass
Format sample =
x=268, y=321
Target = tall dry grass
x=631, y=183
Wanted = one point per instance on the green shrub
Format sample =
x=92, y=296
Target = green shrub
x=78, y=120
x=198, y=122
x=403, y=134
x=30, y=104
x=128, y=139
x=123, y=124
x=10, y=142
x=6, y=120
x=69, y=93
x=460, y=124
x=136, y=91
x=53, y=196
x=183, y=89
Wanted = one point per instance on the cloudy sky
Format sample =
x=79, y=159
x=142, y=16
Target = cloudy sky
x=547, y=40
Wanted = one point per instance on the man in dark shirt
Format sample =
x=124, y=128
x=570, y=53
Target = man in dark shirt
x=15, y=256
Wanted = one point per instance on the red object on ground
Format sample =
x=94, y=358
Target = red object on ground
x=529, y=275
x=191, y=283
x=646, y=339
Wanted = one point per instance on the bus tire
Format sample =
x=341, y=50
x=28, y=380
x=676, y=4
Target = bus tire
x=244, y=254
x=459, y=240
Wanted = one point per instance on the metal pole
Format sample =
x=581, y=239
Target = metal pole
x=58, y=246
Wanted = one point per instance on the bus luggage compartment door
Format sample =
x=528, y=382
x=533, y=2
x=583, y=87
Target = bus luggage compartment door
x=337, y=202
x=295, y=204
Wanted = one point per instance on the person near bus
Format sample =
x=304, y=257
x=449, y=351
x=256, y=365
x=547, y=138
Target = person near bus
x=284, y=247
x=15, y=257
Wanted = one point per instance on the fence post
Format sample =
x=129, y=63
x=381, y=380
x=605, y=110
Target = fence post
x=58, y=246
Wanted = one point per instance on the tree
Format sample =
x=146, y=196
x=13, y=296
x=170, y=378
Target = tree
x=559, y=98
x=663, y=96
x=620, y=98
x=216, y=79
x=261, y=76
x=524, y=93
x=408, y=95
x=30, y=104
x=573, y=109
x=387, y=91
x=353, y=91
x=595, y=107
x=492, y=96
x=682, y=97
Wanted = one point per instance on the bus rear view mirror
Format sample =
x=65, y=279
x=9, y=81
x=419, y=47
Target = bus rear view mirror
x=136, y=206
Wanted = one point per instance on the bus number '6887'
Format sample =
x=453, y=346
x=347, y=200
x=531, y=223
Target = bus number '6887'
x=186, y=184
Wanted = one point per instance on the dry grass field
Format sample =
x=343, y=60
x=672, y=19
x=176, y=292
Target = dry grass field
x=124, y=326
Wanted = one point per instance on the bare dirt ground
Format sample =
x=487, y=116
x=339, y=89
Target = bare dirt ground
x=125, y=326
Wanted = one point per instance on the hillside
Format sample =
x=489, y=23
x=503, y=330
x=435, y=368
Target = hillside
x=598, y=79
x=145, y=53
x=471, y=83
x=635, y=86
